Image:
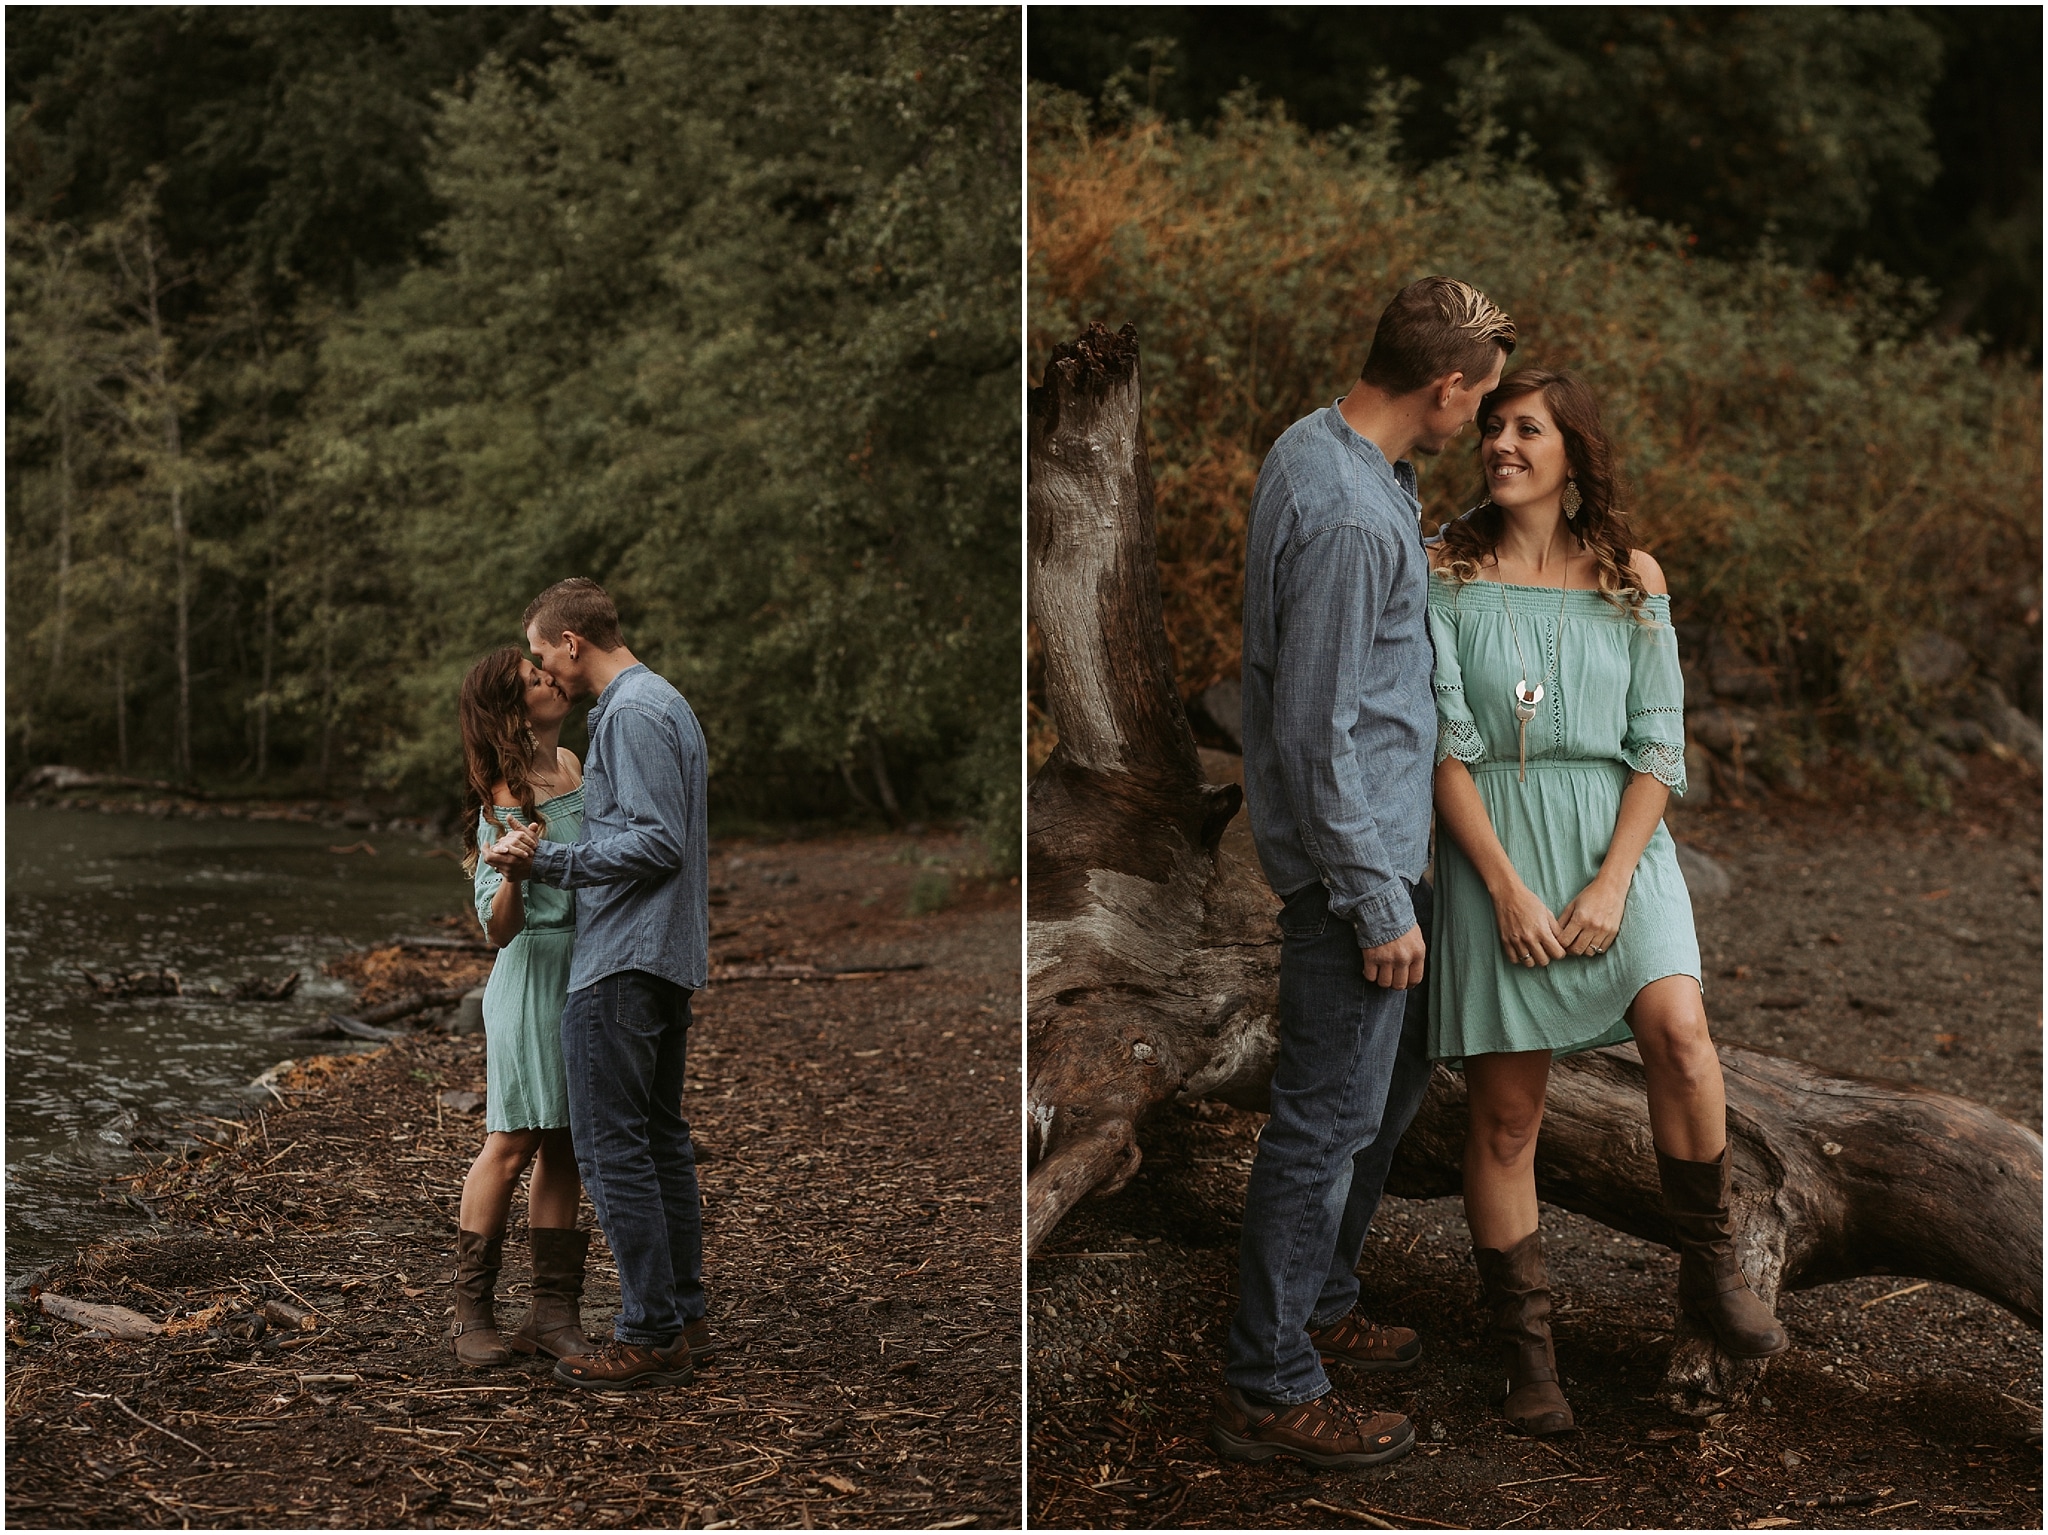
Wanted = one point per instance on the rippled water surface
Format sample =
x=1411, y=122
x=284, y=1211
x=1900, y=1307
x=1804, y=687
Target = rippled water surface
x=218, y=901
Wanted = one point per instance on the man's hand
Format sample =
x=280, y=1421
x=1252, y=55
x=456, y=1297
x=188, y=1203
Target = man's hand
x=1397, y=964
x=512, y=854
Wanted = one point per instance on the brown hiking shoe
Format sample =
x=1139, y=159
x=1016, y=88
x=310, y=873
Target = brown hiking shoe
x=616, y=1366
x=1369, y=1346
x=697, y=1333
x=1323, y=1433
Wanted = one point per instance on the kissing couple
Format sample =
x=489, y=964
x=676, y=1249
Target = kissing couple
x=592, y=882
x=1518, y=674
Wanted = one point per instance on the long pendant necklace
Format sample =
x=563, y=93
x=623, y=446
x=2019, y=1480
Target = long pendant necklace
x=1527, y=698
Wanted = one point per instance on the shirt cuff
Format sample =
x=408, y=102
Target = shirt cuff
x=550, y=862
x=1384, y=915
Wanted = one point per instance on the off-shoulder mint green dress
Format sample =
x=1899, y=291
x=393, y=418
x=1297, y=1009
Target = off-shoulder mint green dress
x=526, y=1087
x=1614, y=707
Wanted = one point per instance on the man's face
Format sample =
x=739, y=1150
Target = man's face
x=561, y=658
x=1454, y=405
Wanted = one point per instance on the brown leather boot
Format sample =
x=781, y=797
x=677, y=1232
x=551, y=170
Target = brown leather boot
x=1517, y=1300
x=555, y=1326
x=1711, y=1289
x=473, y=1334
x=1324, y=1432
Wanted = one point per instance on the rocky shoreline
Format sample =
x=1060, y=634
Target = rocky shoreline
x=857, y=1132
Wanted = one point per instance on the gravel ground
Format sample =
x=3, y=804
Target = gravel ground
x=1888, y=942
x=861, y=1242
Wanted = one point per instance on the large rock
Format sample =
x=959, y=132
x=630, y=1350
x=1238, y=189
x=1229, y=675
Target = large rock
x=469, y=1013
x=1719, y=730
x=1736, y=674
x=1699, y=779
x=1705, y=879
x=2007, y=726
x=1223, y=703
x=1930, y=661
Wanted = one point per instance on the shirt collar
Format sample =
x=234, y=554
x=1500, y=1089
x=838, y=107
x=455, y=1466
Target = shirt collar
x=610, y=689
x=1401, y=475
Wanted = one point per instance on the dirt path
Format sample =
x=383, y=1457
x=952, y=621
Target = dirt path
x=1890, y=943
x=861, y=1236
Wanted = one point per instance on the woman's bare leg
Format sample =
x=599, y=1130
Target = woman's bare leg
x=487, y=1190
x=557, y=1188
x=1688, y=1101
x=1505, y=1096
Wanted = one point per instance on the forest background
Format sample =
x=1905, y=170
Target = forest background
x=334, y=334
x=1796, y=252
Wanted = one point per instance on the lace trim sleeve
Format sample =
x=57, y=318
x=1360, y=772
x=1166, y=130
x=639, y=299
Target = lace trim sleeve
x=1460, y=739
x=1660, y=759
x=488, y=879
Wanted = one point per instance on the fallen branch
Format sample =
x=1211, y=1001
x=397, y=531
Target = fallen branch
x=1838, y=1499
x=1893, y=1295
x=114, y=1321
x=807, y=972
x=365, y=1025
x=139, y=1418
x=1348, y=1513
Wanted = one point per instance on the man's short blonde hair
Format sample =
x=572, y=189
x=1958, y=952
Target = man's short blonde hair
x=575, y=606
x=1433, y=327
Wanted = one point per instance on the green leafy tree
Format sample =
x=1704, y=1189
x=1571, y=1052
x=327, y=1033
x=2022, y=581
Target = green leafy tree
x=1905, y=135
x=720, y=306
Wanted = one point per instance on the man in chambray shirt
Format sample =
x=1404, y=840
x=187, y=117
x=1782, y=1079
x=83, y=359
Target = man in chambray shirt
x=640, y=871
x=1339, y=745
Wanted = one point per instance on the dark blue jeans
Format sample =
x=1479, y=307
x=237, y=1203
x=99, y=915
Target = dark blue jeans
x=1352, y=1070
x=623, y=1041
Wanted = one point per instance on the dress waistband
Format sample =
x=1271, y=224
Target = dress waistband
x=1550, y=765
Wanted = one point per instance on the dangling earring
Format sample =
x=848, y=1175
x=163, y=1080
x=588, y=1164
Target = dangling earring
x=1571, y=500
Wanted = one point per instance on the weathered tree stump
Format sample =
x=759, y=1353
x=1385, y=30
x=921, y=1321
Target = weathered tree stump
x=1154, y=959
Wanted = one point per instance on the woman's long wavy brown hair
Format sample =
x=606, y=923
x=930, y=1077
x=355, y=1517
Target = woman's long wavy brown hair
x=1602, y=525
x=497, y=742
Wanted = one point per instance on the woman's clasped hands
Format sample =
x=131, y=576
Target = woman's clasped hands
x=512, y=854
x=1533, y=937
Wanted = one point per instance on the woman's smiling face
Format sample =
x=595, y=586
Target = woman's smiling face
x=1522, y=454
x=546, y=703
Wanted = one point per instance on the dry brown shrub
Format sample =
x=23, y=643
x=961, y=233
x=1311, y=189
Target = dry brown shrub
x=379, y=975
x=1824, y=483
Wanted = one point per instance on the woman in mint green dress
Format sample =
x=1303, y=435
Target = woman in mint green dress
x=518, y=775
x=1562, y=921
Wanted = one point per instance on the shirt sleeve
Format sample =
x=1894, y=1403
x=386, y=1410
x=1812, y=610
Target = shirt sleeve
x=1331, y=597
x=1457, y=733
x=1655, y=739
x=651, y=783
x=488, y=879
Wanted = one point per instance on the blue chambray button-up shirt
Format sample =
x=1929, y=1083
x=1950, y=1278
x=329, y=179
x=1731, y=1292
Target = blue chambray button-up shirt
x=641, y=867
x=1339, y=713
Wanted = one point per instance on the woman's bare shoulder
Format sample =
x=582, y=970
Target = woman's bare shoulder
x=501, y=794
x=571, y=770
x=1649, y=572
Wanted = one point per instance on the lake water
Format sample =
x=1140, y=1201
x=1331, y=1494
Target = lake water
x=220, y=901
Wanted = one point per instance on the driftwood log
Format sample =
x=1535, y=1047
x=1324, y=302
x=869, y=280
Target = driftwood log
x=369, y=1023
x=1154, y=960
